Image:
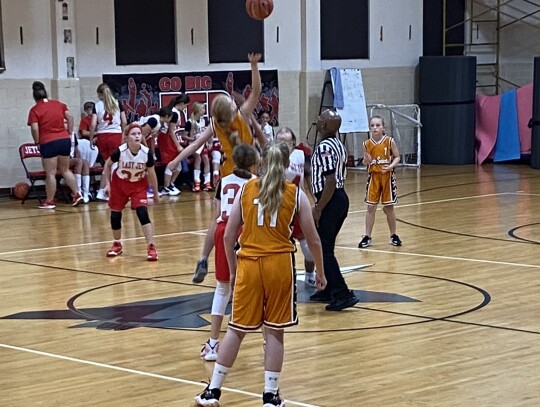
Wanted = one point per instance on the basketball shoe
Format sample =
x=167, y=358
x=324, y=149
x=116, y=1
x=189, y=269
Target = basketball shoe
x=395, y=240
x=115, y=250
x=209, y=398
x=77, y=199
x=173, y=191
x=200, y=271
x=272, y=400
x=47, y=204
x=365, y=242
x=208, y=352
x=208, y=187
x=152, y=252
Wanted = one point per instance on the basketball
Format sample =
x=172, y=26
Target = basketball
x=259, y=9
x=20, y=190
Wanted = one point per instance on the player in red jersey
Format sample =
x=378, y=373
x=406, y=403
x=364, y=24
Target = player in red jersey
x=46, y=121
x=129, y=181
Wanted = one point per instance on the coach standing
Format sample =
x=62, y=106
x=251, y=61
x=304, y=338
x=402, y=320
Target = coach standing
x=46, y=120
x=330, y=210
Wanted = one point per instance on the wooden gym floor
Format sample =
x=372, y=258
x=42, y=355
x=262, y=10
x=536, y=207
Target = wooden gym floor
x=449, y=319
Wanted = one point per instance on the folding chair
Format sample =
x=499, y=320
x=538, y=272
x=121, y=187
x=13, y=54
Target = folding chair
x=31, y=161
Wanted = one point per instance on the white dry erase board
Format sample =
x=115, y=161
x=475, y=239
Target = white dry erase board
x=354, y=118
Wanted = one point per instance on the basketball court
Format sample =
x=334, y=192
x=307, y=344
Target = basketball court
x=447, y=319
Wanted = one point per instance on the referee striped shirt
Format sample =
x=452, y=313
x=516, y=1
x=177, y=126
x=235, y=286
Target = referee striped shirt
x=329, y=157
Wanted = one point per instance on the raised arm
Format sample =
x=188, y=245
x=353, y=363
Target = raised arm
x=249, y=105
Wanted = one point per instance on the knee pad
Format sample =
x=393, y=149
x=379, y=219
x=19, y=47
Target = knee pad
x=168, y=171
x=116, y=220
x=305, y=249
x=142, y=214
x=221, y=298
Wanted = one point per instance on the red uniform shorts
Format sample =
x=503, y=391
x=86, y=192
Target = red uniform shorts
x=107, y=143
x=122, y=191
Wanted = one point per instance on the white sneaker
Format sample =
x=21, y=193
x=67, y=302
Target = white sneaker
x=164, y=191
x=101, y=195
x=173, y=191
x=208, y=352
x=86, y=197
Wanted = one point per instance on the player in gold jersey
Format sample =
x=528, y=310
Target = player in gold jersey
x=262, y=272
x=381, y=156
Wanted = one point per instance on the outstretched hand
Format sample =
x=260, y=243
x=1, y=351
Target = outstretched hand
x=254, y=57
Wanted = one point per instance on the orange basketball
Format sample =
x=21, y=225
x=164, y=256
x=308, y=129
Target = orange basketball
x=259, y=9
x=20, y=190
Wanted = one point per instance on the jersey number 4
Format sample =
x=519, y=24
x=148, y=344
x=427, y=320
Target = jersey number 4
x=107, y=117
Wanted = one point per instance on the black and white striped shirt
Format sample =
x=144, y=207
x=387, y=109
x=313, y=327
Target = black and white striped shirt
x=329, y=157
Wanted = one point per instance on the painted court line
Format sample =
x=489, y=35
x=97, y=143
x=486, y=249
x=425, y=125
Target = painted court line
x=139, y=372
x=443, y=200
x=191, y=232
x=434, y=256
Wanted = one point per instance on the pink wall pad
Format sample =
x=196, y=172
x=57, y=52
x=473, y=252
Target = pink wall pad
x=487, y=125
x=524, y=108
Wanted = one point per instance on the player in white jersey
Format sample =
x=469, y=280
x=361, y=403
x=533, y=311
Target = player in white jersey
x=298, y=168
x=152, y=125
x=80, y=168
x=169, y=144
x=244, y=157
x=194, y=128
x=108, y=121
x=130, y=181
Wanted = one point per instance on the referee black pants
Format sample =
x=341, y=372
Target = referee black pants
x=332, y=218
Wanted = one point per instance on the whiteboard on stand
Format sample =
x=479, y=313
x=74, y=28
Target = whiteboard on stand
x=354, y=118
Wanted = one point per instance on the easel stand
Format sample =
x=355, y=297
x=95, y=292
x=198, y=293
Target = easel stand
x=351, y=106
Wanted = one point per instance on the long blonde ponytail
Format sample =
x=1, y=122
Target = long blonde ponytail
x=275, y=159
x=111, y=104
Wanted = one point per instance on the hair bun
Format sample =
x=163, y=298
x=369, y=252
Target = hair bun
x=37, y=85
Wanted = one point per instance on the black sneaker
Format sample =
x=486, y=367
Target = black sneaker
x=321, y=296
x=365, y=242
x=343, y=302
x=395, y=240
x=200, y=271
x=209, y=397
x=272, y=400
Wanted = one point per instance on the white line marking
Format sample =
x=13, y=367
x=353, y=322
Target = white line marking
x=139, y=372
x=434, y=256
x=196, y=232
x=443, y=200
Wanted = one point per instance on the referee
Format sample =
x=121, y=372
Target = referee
x=327, y=183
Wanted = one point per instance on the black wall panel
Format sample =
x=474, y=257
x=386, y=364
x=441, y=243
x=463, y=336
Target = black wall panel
x=448, y=134
x=449, y=79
